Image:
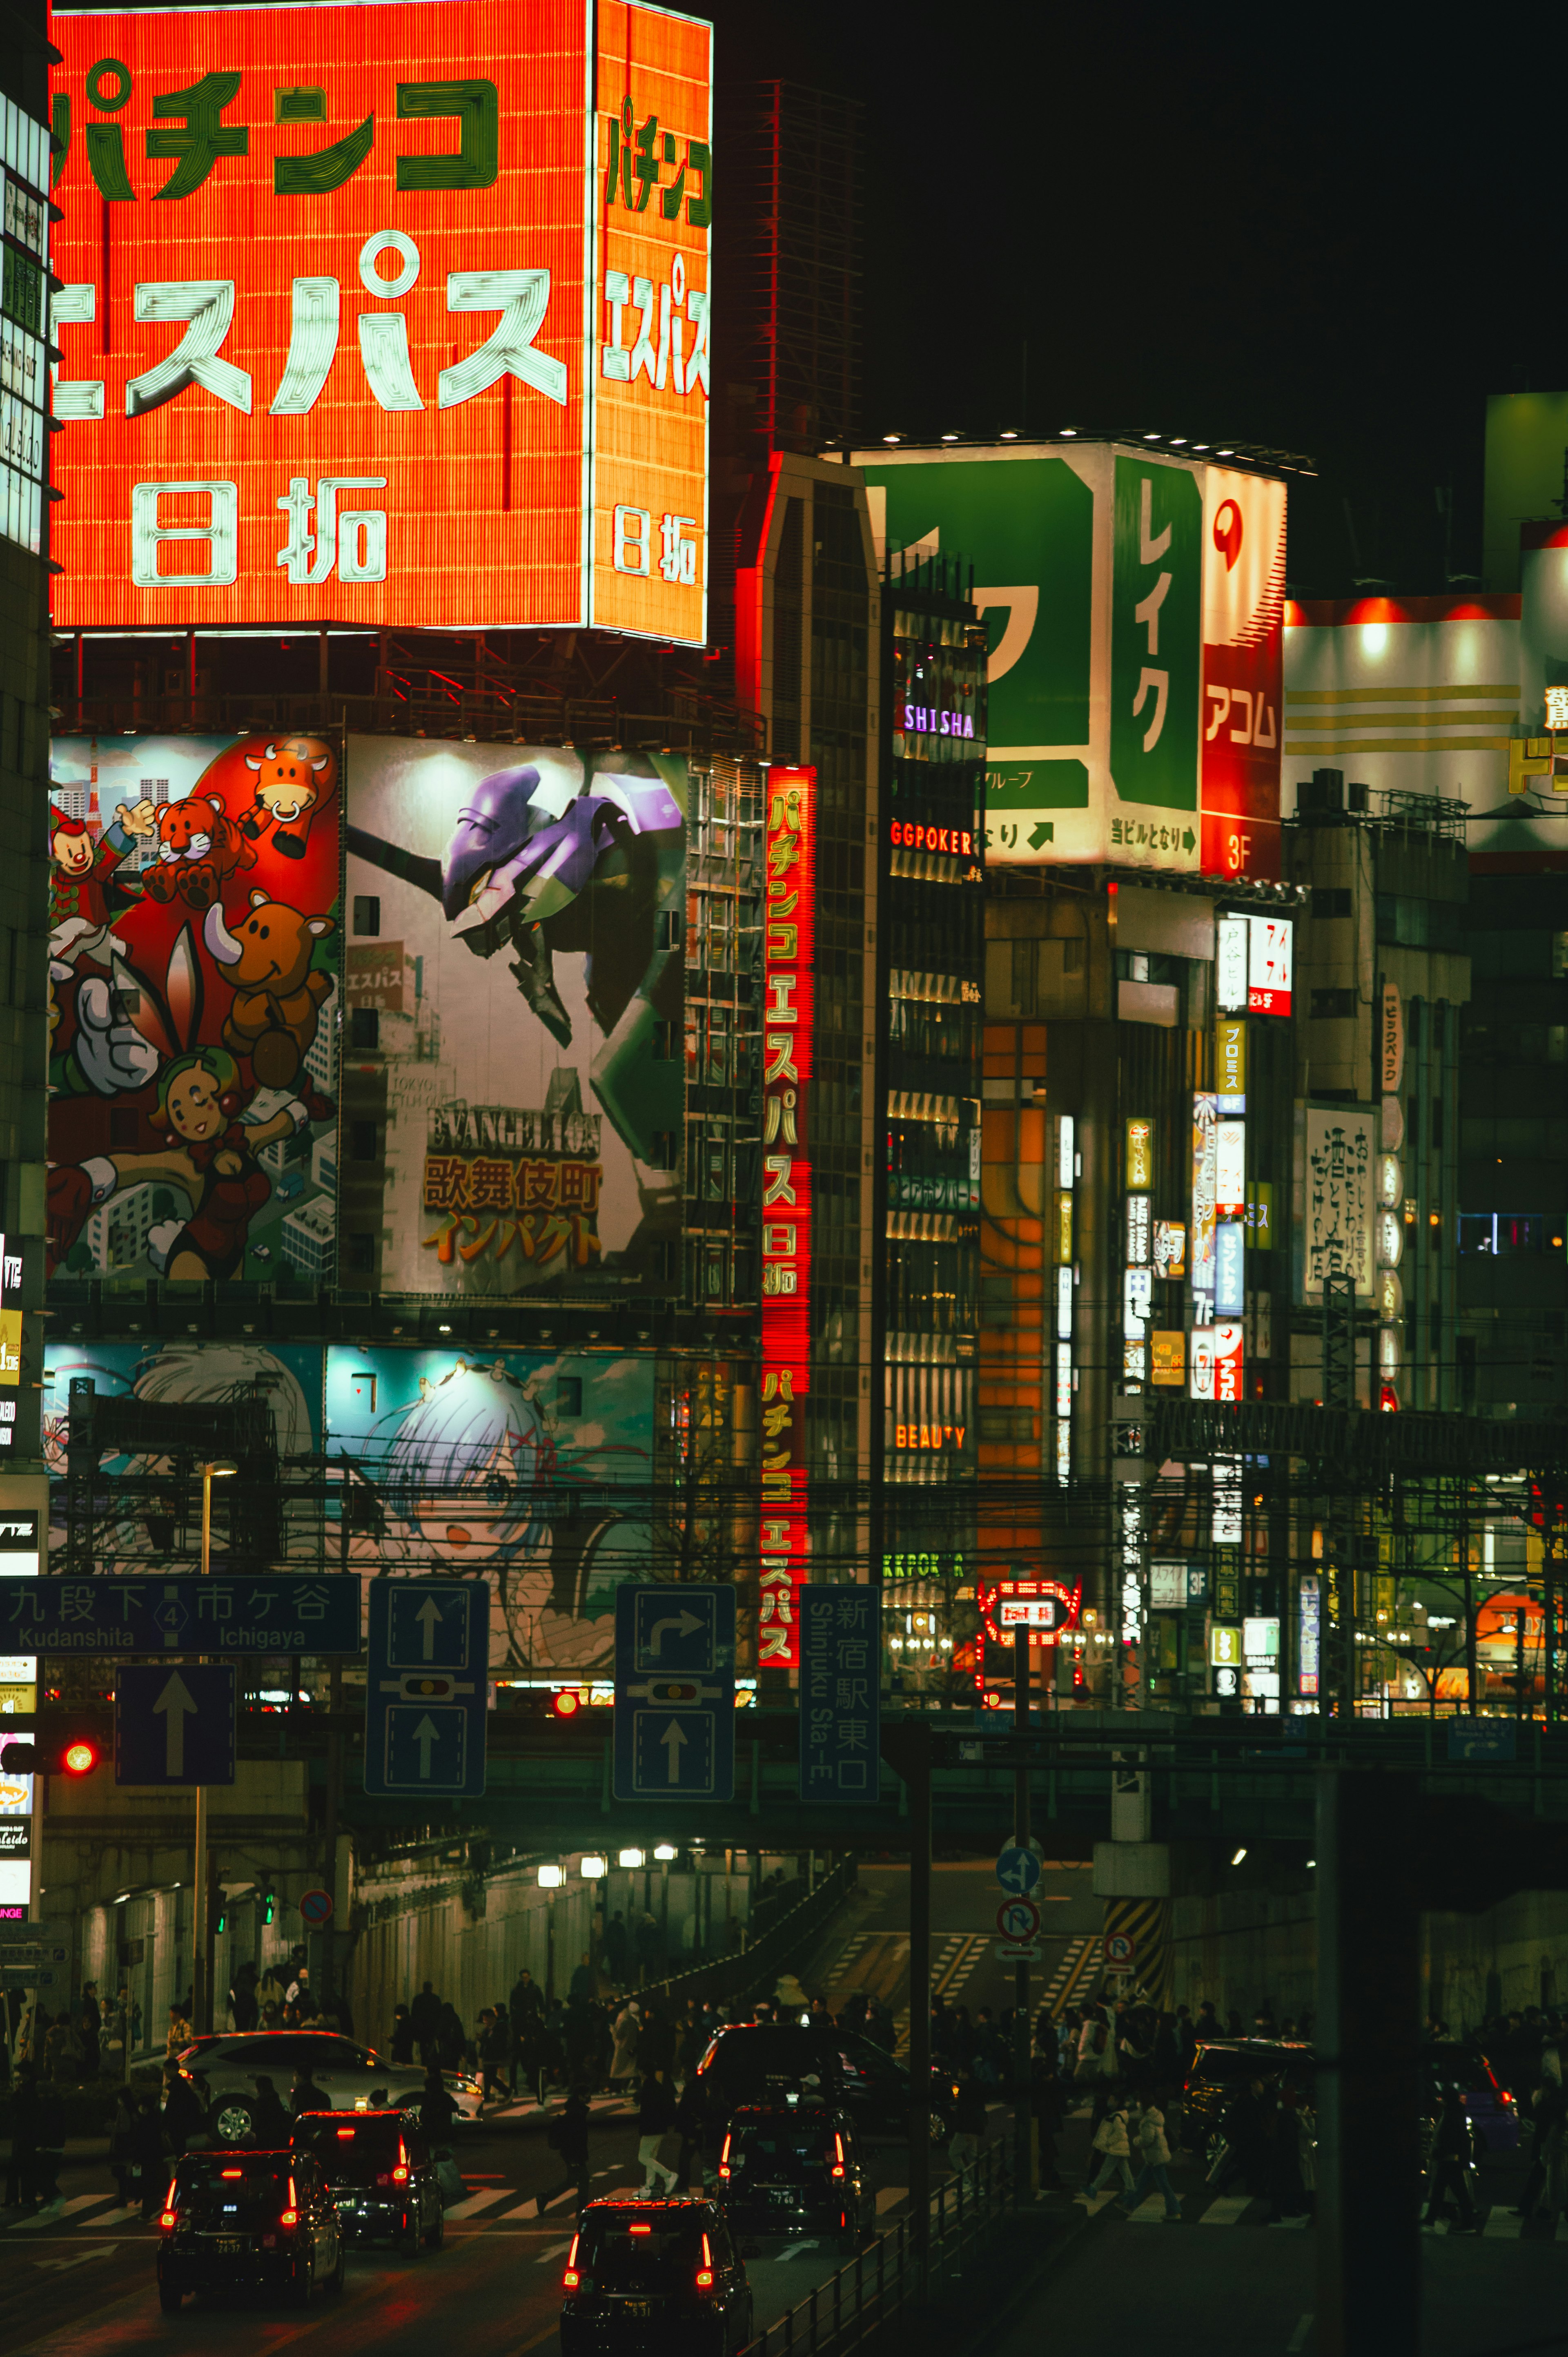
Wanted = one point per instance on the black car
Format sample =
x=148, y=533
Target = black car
x=654, y=2276
x=1223, y=2068
x=245, y=2221
x=380, y=2168
x=763, y=2061
x=795, y=2168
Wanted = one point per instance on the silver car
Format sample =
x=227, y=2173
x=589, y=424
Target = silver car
x=226, y=2069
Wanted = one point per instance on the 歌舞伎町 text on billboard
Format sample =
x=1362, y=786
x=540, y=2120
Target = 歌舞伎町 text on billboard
x=193, y=1008
x=515, y=972
x=382, y=316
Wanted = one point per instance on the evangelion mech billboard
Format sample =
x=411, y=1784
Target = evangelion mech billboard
x=389, y=315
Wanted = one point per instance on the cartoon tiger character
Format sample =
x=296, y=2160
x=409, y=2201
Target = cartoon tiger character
x=200, y=847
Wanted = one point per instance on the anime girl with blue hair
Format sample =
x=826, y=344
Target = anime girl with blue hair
x=470, y=1472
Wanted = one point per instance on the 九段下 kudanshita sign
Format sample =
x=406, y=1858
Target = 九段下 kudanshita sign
x=390, y=316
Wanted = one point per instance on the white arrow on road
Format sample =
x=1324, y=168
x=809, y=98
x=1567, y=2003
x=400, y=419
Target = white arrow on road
x=426, y=1735
x=685, y=1624
x=674, y=1738
x=176, y=1702
x=429, y=1618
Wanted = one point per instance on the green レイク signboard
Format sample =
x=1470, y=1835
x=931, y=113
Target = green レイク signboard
x=1095, y=626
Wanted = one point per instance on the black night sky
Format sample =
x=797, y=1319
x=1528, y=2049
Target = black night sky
x=1332, y=231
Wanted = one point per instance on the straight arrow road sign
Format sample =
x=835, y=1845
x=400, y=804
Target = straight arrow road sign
x=175, y=1726
x=427, y=1687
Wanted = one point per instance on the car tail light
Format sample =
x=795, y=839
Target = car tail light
x=639, y=2230
x=291, y=2215
x=399, y=2176
x=706, y=2272
x=230, y=2172
x=571, y=2280
x=345, y=2136
x=838, y=2154
x=723, y=2156
x=166, y=2221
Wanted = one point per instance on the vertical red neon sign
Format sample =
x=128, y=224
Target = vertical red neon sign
x=788, y=1001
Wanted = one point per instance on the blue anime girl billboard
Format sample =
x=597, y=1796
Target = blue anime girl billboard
x=533, y=1467
x=515, y=983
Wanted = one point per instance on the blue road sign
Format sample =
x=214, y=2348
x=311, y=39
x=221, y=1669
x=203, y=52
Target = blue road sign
x=674, y=1709
x=426, y=1688
x=1018, y=1870
x=271, y=1613
x=1480, y=1738
x=173, y=1723
x=841, y=1691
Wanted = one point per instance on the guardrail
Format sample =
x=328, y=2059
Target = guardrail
x=742, y=1972
x=900, y=2270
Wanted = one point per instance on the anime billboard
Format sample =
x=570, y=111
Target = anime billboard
x=193, y=1008
x=531, y=1467
x=288, y=1377
x=515, y=984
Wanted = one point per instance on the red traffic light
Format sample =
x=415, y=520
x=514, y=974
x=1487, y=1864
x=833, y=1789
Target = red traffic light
x=566, y=1703
x=45, y=1755
x=79, y=1759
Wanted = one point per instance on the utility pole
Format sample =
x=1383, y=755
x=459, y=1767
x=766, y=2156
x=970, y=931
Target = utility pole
x=918, y=1778
x=1023, y=2074
x=202, y=1940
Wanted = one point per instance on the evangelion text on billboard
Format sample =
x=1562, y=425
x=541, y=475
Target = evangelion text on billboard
x=351, y=297
x=1135, y=603
x=515, y=975
x=789, y=1012
x=193, y=930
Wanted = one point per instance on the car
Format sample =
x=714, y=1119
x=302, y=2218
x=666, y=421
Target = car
x=1223, y=2067
x=654, y=2276
x=795, y=2168
x=380, y=2168
x=763, y=2061
x=248, y=2220
x=225, y=2070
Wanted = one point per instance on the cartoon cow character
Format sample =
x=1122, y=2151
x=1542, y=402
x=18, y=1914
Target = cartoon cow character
x=295, y=777
x=199, y=849
x=277, y=998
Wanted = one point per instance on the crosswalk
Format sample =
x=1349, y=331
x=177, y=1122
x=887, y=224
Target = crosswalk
x=1245, y=2210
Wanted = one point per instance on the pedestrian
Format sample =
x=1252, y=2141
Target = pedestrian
x=1550, y=2116
x=92, y=2030
x=121, y=2158
x=437, y=2108
x=615, y=1951
x=1046, y=2106
x=452, y=2039
x=180, y=2032
x=1448, y=2170
x=1155, y=2153
x=22, y=2177
x=184, y=2116
x=690, y=2123
x=494, y=2053
x=623, y=2059
x=1206, y=2026
x=584, y=1986
x=426, y=2015
x=567, y=2135
x=649, y=1950
x=656, y=2041
x=271, y=2126
x=401, y=2035
x=1244, y=2126
x=969, y=2123
x=243, y=2006
x=1113, y=2146
x=306, y=2096
x=655, y=2118
x=150, y=2150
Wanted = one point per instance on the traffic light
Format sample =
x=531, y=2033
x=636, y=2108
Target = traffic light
x=565, y=1703
x=269, y=1902
x=49, y=1755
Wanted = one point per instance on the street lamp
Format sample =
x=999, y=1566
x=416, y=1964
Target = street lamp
x=216, y=1469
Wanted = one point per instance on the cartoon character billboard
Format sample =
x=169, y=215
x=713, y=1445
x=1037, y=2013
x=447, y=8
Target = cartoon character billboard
x=286, y=1376
x=193, y=1008
x=531, y=1467
x=515, y=984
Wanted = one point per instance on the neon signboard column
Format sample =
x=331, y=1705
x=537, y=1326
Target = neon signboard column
x=789, y=1004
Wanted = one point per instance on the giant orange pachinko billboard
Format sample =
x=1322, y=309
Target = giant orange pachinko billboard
x=341, y=304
